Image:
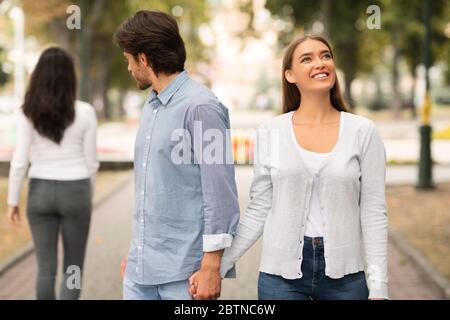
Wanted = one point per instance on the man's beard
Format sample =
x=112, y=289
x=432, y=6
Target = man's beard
x=143, y=85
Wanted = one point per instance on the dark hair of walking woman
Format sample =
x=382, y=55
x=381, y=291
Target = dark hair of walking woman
x=291, y=96
x=51, y=93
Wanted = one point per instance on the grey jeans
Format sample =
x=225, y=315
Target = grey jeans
x=59, y=206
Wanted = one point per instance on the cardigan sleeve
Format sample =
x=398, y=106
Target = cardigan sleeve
x=373, y=212
x=252, y=223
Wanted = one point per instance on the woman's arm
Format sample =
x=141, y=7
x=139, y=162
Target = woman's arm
x=251, y=224
x=20, y=159
x=90, y=146
x=373, y=212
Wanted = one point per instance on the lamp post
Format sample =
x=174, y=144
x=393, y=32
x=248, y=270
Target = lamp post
x=17, y=54
x=84, y=52
x=425, y=179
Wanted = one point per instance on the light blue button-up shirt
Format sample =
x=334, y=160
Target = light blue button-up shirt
x=185, y=203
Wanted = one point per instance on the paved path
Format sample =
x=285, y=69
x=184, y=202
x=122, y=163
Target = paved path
x=109, y=240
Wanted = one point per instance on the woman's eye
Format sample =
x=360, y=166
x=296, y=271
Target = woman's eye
x=327, y=56
x=306, y=59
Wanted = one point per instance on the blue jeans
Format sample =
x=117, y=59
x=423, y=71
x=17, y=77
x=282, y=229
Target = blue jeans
x=177, y=290
x=314, y=284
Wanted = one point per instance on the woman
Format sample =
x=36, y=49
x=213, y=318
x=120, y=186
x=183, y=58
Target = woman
x=318, y=191
x=58, y=136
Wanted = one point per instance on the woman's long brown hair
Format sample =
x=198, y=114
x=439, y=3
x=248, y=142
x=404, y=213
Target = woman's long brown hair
x=50, y=97
x=291, y=94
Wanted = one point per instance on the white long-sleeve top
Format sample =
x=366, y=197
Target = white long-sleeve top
x=352, y=200
x=74, y=158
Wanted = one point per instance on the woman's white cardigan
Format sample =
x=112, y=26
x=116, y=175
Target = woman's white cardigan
x=352, y=198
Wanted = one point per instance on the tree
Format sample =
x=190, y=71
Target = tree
x=4, y=77
x=403, y=21
x=104, y=65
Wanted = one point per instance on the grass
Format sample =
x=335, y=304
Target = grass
x=15, y=238
x=423, y=218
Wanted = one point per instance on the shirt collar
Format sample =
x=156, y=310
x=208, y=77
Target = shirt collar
x=170, y=89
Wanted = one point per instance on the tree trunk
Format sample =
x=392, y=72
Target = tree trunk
x=348, y=91
x=104, y=77
x=411, y=104
x=396, y=98
x=326, y=11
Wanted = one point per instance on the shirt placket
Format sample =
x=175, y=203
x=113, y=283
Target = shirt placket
x=143, y=168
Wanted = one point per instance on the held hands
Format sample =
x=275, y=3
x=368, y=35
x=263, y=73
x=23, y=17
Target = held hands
x=13, y=215
x=205, y=284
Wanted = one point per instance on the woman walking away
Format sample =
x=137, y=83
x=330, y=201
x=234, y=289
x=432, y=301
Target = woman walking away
x=57, y=135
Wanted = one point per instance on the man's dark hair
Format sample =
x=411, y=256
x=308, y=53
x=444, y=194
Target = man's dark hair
x=156, y=35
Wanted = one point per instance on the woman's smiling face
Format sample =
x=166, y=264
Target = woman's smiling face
x=312, y=68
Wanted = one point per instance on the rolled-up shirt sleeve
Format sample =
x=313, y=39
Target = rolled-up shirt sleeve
x=208, y=126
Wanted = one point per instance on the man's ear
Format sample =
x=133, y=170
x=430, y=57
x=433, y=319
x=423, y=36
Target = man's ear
x=289, y=77
x=142, y=59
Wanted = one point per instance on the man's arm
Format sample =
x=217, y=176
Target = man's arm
x=206, y=283
x=208, y=125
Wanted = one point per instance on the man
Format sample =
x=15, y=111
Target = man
x=186, y=208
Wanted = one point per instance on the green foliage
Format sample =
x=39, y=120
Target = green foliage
x=360, y=50
x=101, y=19
x=4, y=77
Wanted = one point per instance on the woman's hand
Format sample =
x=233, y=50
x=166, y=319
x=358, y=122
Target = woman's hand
x=13, y=214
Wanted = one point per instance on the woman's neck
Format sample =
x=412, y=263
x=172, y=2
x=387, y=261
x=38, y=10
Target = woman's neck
x=315, y=108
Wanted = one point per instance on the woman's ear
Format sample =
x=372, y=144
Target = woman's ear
x=289, y=77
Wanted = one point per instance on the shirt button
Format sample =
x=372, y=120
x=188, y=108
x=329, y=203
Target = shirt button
x=301, y=242
x=139, y=247
x=155, y=111
x=142, y=192
x=142, y=220
x=147, y=137
x=144, y=164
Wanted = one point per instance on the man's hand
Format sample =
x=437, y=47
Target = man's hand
x=123, y=266
x=205, y=284
x=13, y=214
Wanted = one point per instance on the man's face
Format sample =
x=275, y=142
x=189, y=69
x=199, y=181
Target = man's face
x=137, y=68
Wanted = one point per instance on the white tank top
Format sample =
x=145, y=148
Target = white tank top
x=314, y=224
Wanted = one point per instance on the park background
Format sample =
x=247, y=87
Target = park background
x=385, y=52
